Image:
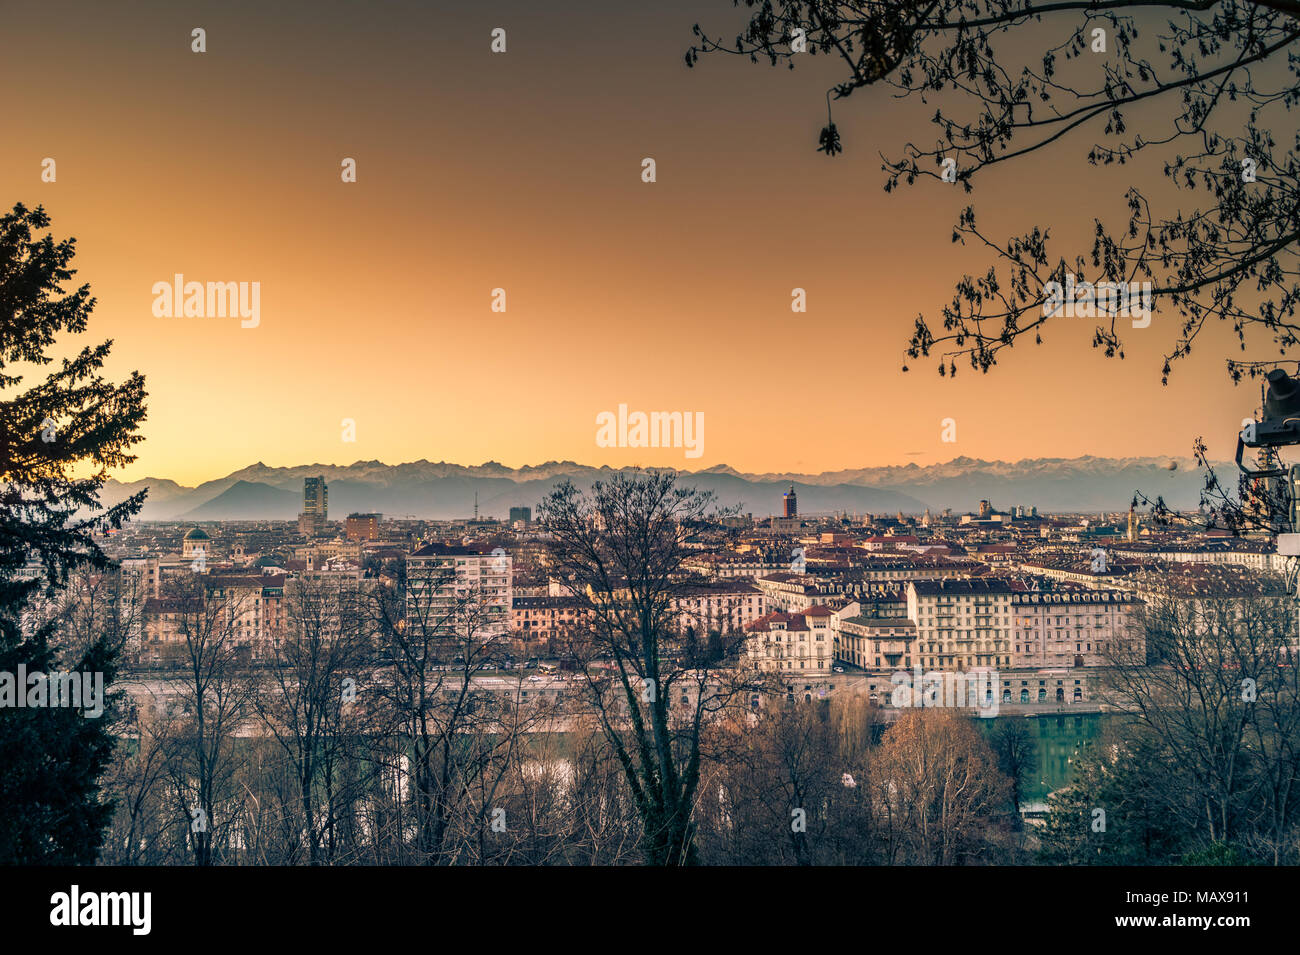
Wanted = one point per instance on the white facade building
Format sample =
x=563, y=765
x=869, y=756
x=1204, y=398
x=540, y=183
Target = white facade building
x=459, y=590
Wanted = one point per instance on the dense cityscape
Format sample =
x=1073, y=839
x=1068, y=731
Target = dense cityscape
x=291, y=634
x=983, y=589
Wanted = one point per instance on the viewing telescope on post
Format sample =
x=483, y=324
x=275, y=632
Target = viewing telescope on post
x=1279, y=427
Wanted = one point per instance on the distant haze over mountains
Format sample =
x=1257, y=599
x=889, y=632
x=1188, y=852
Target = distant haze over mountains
x=444, y=491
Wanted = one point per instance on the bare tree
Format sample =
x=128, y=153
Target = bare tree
x=789, y=785
x=206, y=702
x=1017, y=756
x=1219, y=708
x=143, y=827
x=619, y=551
x=312, y=703
x=604, y=821
x=445, y=737
x=109, y=606
x=938, y=787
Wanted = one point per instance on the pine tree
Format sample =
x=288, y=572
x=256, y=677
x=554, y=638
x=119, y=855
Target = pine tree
x=58, y=440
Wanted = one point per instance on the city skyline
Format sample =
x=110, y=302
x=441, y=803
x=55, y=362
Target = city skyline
x=443, y=490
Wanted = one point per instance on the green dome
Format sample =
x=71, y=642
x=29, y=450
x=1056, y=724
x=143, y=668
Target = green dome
x=196, y=535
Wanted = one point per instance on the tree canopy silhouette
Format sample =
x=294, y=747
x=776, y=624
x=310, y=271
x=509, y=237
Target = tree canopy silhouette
x=58, y=440
x=1208, y=85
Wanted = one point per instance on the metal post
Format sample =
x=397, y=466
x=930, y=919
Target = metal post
x=1293, y=525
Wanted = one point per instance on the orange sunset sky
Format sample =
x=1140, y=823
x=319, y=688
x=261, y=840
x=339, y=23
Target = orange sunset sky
x=522, y=171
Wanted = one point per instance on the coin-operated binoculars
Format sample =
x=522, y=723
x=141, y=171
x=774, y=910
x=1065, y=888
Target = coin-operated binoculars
x=1279, y=427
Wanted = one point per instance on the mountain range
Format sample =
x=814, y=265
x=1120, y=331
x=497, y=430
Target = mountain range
x=443, y=491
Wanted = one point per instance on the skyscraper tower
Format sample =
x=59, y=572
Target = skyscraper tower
x=790, y=503
x=315, y=506
x=315, y=498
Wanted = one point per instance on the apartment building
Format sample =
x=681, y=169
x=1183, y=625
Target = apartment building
x=874, y=643
x=795, y=593
x=545, y=618
x=733, y=565
x=792, y=642
x=252, y=607
x=453, y=589
x=361, y=527
x=146, y=572
x=246, y=609
x=720, y=606
x=1076, y=628
x=1251, y=553
x=961, y=624
x=1104, y=572
x=167, y=620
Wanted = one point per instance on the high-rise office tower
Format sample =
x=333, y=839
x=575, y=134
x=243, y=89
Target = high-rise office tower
x=315, y=506
x=315, y=497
